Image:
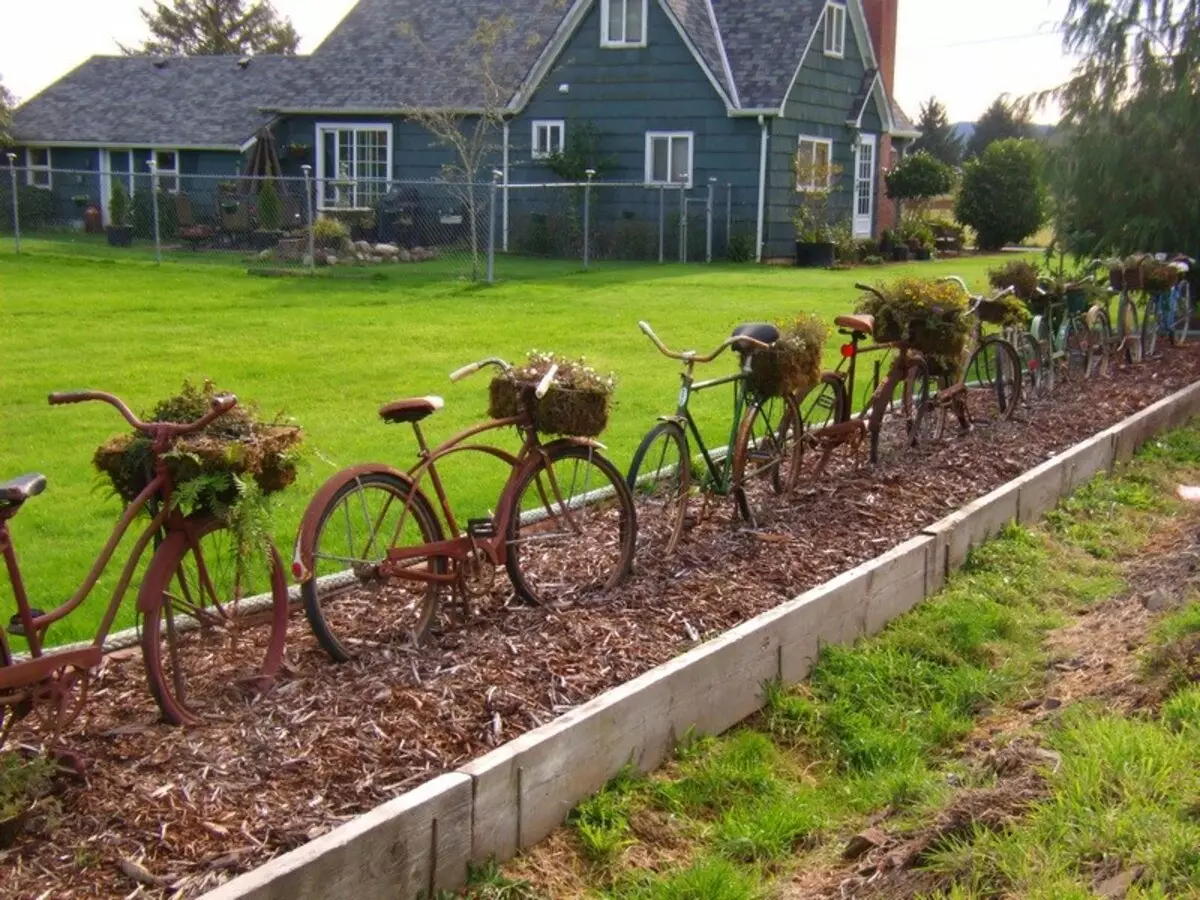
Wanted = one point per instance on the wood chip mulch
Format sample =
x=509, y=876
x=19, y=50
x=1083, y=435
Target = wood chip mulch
x=174, y=812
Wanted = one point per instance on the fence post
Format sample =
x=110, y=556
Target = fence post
x=708, y=220
x=12, y=174
x=728, y=216
x=152, y=165
x=683, y=223
x=587, y=216
x=308, y=212
x=662, y=223
x=491, y=247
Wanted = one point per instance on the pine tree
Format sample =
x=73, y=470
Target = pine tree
x=215, y=27
x=7, y=104
x=1001, y=120
x=938, y=137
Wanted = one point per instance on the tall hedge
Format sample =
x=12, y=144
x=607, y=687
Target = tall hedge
x=1003, y=196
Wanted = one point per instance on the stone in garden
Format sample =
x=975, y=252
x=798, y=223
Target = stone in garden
x=434, y=253
x=266, y=254
x=363, y=247
x=330, y=260
x=387, y=250
x=306, y=261
x=404, y=256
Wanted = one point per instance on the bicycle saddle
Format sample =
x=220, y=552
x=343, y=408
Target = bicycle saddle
x=859, y=323
x=759, y=331
x=412, y=410
x=21, y=488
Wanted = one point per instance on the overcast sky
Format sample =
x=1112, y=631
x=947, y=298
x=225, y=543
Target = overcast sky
x=966, y=52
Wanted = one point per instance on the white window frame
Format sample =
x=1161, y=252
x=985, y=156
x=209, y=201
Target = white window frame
x=651, y=137
x=548, y=125
x=835, y=30
x=319, y=132
x=827, y=143
x=32, y=170
x=168, y=179
x=607, y=39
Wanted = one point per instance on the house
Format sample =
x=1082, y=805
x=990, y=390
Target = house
x=678, y=94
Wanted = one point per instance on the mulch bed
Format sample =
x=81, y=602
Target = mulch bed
x=174, y=812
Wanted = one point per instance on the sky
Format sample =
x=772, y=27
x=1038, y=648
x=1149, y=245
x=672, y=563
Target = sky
x=965, y=52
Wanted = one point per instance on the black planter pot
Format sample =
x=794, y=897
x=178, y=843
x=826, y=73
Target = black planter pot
x=814, y=255
x=922, y=254
x=120, y=236
x=900, y=253
x=264, y=240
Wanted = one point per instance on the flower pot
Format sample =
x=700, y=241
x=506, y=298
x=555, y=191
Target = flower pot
x=812, y=255
x=900, y=253
x=120, y=235
x=923, y=254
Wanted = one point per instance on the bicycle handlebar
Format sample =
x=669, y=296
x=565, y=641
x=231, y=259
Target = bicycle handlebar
x=471, y=368
x=691, y=356
x=870, y=290
x=547, y=380
x=221, y=404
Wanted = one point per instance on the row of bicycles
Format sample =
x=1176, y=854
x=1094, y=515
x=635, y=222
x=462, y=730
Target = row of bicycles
x=382, y=555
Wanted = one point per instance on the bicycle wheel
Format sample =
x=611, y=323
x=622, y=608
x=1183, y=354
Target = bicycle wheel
x=1152, y=322
x=1100, y=361
x=659, y=479
x=930, y=421
x=572, y=529
x=993, y=381
x=825, y=405
x=349, y=605
x=214, y=622
x=1031, y=357
x=766, y=451
x=1040, y=331
x=892, y=423
x=1179, y=313
x=1129, y=330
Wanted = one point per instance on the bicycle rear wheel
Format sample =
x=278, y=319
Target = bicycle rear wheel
x=214, y=622
x=1101, y=358
x=1129, y=330
x=993, y=381
x=766, y=451
x=1040, y=330
x=349, y=605
x=1152, y=322
x=1031, y=357
x=572, y=529
x=825, y=405
x=892, y=426
x=659, y=479
x=1179, y=313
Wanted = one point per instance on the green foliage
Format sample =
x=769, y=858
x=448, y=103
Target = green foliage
x=915, y=231
x=1002, y=196
x=7, y=104
x=36, y=207
x=1181, y=713
x=143, y=213
x=270, y=207
x=813, y=218
x=737, y=770
x=930, y=314
x=741, y=247
x=485, y=881
x=1001, y=121
x=770, y=828
x=215, y=28
x=938, y=137
x=919, y=176
x=330, y=232
x=23, y=782
x=845, y=246
x=602, y=821
x=710, y=878
x=1019, y=274
x=581, y=151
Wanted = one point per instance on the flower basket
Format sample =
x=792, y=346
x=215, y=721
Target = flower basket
x=1019, y=275
x=1006, y=311
x=235, y=445
x=792, y=366
x=929, y=315
x=1127, y=276
x=1158, y=277
x=578, y=402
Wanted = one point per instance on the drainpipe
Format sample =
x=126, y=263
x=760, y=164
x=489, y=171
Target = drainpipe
x=504, y=195
x=762, y=186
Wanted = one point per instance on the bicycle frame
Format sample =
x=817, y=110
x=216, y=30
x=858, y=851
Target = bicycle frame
x=719, y=479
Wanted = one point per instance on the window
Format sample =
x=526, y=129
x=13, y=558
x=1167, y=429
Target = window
x=814, y=163
x=354, y=165
x=622, y=23
x=37, y=167
x=548, y=138
x=835, y=30
x=669, y=157
x=167, y=163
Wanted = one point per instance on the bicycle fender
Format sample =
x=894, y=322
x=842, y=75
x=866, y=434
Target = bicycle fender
x=676, y=420
x=574, y=442
x=306, y=535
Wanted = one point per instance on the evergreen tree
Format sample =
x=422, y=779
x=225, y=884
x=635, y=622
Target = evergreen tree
x=1001, y=121
x=215, y=27
x=7, y=104
x=938, y=137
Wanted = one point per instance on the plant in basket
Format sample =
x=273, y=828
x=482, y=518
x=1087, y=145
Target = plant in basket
x=578, y=402
x=930, y=315
x=228, y=470
x=1158, y=276
x=1018, y=274
x=1126, y=274
x=1009, y=310
x=792, y=366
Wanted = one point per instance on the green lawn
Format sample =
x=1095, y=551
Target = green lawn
x=329, y=351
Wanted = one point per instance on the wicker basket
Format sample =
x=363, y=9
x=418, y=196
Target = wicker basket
x=562, y=411
x=1129, y=278
x=776, y=373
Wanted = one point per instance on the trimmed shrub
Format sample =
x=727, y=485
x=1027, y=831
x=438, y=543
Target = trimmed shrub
x=1003, y=197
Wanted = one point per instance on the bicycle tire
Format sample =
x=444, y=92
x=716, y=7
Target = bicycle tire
x=1129, y=330
x=993, y=382
x=209, y=637
x=827, y=403
x=1100, y=361
x=661, y=505
x=929, y=425
x=914, y=393
x=1039, y=329
x=779, y=429
x=1031, y=357
x=1180, y=314
x=614, y=514
x=341, y=602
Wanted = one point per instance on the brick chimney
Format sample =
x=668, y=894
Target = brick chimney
x=882, y=17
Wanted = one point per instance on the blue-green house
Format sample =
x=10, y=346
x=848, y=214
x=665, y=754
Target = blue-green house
x=675, y=96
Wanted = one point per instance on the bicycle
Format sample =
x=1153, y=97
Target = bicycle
x=192, y=638
x=1169, y=312
x=1074, y=334
x=761, y=447
x=398, y=555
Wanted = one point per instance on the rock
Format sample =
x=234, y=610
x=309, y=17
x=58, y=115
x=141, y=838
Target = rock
x=359, y=255
x=433, y=252
x=1052, y=703
x=267, y=254
x=1188, y=492
x=1157, y=601
x=387, y=251
x=863, y=842
x=1119, y=884
x=363, y=247
x=404, y=256
x=306, y=261
x=330, y=259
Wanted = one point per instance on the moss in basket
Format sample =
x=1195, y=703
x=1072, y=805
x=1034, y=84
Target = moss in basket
x=1009, y=310
x=1020, y=275
x=793, y=364
x=577, y=403
x=931, y=315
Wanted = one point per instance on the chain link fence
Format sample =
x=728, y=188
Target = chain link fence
x=307, y=225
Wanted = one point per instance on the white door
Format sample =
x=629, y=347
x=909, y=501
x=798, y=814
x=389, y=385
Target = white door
x=864, y=185
x=114, y=164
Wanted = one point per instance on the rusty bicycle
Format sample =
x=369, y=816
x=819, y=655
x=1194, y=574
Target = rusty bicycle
x=372, y=552
x=197, y=641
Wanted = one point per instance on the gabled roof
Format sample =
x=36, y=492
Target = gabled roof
x=902, y=125
x=198, y=101
x=765, y=42
x=698, y=21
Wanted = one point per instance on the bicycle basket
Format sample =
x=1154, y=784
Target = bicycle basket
x=569, y=411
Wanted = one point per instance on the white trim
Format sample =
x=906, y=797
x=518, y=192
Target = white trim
x=791, y=84
x=862, y=34
x=857, y=219
x=566, y=30
x=704, y=67
x=163, y=173
x=835, y=51
x=319, y=130
x=133, y=145
x=879, y=95
x=712, y=18
x=762, y=185
x=31, y=170
x=814, y=140
x=504, y=191
x=548, y=124
x=606, y=40
x=250, y=143
x=652, y=136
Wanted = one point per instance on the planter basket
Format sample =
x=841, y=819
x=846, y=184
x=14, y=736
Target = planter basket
x=779, y=372
x=937, y=337
x=1159, y=277
x=568, y=411
x=1009, y=311
x=1129, y=278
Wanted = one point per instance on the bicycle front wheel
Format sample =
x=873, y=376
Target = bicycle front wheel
x=659, y=479
x=1179, y=313
x=1129, y=330
x=1031, y=357
x=1042, y=336
x=350, y=605
x=572, y=528
x=214, y=621
x=993, y=380
x=767, y=451
x=892, y=418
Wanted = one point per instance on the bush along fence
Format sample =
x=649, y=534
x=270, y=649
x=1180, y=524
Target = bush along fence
x=309, y=223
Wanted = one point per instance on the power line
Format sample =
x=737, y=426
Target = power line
x=1007, y=39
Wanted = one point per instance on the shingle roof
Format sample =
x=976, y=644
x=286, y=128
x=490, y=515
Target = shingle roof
x=903, y=124
x=697, y=18
x=764, y=42
x=198, y=101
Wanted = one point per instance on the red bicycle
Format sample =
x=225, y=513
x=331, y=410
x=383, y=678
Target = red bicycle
x=197, y=638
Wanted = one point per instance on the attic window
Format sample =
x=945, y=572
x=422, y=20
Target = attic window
x=623, y=23
x=835, y=30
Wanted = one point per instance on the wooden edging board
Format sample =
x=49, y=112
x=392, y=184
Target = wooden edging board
x=513, y=797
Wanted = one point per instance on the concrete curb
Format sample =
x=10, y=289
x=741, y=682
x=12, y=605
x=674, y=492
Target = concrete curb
x=516, y=795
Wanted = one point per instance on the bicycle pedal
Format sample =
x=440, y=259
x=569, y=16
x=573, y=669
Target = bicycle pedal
x=14, y=623
x=481, y=528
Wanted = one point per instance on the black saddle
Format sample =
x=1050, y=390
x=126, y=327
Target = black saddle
x=759, y=331
x=17, y=490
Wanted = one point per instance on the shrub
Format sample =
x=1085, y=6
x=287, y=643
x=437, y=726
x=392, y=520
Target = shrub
x=118, y=204
x=792, y=366
x=919, y=177
x=270, y=209
x=143, y=214
x=329, y=233
x=845, y=246
x=1003, y=197
x=741, y=247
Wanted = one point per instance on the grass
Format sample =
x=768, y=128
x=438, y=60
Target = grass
x=880, y=727
x=329, y=351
